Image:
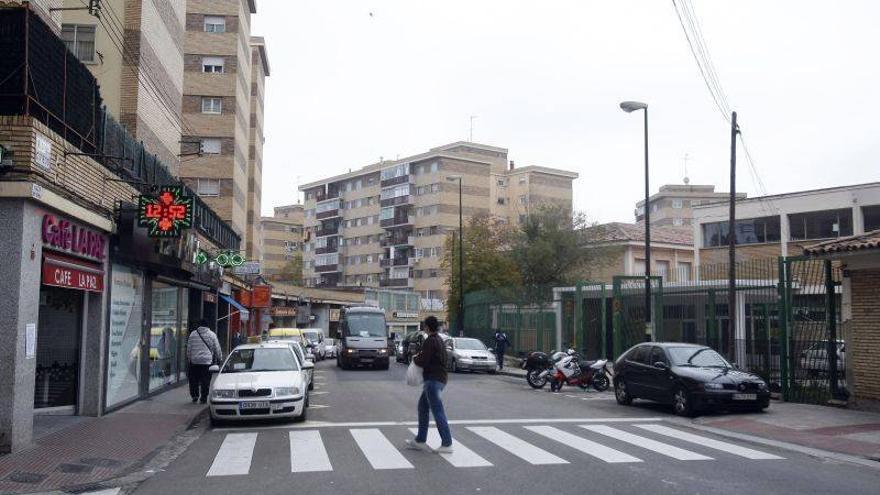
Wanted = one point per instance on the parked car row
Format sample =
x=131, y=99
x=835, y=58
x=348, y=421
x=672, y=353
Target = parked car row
x=462, y=353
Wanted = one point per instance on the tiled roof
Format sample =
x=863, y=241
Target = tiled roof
x=861, y=242
x=626, y=232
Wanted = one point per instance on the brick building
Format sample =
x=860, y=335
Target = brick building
x=385, y=224
x=281, y=236
x=859, y=256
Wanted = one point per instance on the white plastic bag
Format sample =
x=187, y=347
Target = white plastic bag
x=414, y=375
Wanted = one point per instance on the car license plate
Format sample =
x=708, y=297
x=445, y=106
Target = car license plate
x=745, y=396
x=367, y=360
x=255, y=405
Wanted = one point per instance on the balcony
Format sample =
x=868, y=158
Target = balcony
x=398, y=220
x=399, y=200
x=327, y=249
x=396, y=240
x=324, y=196
x=395, y=282
x=327, y=231
x=326, y=268
x=401, y=261
x=402, y=179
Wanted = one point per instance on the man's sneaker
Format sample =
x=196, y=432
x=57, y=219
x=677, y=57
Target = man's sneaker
x=413, y=445
x=444, y=449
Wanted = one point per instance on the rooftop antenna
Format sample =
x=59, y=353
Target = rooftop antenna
x=685, y=158
x=471, y=136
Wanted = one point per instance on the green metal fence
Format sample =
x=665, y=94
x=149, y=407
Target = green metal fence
x=527, y=315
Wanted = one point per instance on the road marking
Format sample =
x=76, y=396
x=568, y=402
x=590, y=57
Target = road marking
x=461, y=456
x=709, y=442
x=307, y=452
x=318, y=393
x=517, y=447
x=374, y=424
x=572, y=396
x=234, y=456
x=317, y=406
x=378, y=450
x=647, y=443
x=589, y=447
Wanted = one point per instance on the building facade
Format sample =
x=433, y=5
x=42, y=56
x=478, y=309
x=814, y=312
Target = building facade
x=259, y=72
x=281, y=242
x=674, y=204
x=385, y=225
x=217, y=96
x=784, y=224
x=619, y=249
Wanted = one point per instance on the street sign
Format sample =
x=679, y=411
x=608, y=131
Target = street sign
x=247, y=268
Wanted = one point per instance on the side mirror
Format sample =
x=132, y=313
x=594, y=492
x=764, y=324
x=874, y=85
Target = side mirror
x=660, y=365
x=214, y=368
x=308, y=365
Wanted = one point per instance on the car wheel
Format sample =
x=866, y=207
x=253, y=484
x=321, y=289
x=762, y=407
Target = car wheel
x=215, y=422
x=492, y=372
x=621, y=393
x=302, y=417
x=455, y=366
x=307, y=401
x=311, y=385
x=338, y=363
x=681, y=403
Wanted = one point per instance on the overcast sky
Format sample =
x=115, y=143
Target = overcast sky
x=545, y=79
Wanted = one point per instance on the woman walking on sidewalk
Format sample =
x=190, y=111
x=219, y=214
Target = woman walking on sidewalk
x=432, y=358
x=202, y=350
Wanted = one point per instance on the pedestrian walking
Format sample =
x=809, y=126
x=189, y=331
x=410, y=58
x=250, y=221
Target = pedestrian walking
x=237, y=339
x=202, y=350
x=432, y=359
x=501, y=343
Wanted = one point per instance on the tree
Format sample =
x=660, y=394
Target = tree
x=292, y=271
x=487, y=265
x=547, y=247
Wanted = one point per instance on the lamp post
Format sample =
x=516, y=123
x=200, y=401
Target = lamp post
x=460, y=317
x=629, y=107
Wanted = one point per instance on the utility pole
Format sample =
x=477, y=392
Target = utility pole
x=731, y=243
x=471, y=135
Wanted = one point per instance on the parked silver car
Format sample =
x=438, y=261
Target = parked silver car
x=469, y=354
x=329, y=348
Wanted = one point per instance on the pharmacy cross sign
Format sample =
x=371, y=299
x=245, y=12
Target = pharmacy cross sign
x=166, y=213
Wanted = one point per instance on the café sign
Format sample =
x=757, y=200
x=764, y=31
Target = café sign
x=66, y=236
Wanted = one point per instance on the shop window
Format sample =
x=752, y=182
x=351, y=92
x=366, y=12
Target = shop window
x=872, y=217
x=820, y=224
x=164, y=335
x=126, y=323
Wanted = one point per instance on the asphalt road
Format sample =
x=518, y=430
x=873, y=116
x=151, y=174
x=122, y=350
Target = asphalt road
x=509, y=438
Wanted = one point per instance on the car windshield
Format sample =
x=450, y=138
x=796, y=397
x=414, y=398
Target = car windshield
x=697, y=356
x=298, y=350
x=469, y=344
x=260, y=359
x=329, y=342
x=313, y=336
x=366, y=325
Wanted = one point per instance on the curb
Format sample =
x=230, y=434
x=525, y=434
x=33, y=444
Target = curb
x=810, y=451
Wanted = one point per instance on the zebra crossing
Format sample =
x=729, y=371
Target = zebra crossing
x=529, y=443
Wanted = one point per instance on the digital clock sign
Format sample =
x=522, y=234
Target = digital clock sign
x=167, y=213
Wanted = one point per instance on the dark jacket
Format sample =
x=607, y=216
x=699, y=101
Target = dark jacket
x=433, y=359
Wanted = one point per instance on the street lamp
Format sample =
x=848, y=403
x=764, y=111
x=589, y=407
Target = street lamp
x=460, y=318
x=629, y=107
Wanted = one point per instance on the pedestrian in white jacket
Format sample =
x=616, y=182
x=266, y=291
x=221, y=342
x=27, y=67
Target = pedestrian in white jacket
x=202, y=350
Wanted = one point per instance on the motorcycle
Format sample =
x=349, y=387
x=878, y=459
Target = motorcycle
x=537, y=365
x=569, y=369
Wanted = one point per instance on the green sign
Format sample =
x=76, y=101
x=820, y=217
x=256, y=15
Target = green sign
x=225, y=259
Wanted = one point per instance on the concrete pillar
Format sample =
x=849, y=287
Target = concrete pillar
x=858, y=220
x=740, y=352
x=19, y=306
x=784, y=234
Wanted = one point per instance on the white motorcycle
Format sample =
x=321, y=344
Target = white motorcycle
x=569, y=369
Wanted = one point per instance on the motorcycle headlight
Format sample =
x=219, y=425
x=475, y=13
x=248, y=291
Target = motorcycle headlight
x=285, y=391
x=224, y=394
x=713, y=386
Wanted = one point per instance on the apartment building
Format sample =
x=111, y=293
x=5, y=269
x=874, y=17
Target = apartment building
x=43, y=8
x=281, y=238
x=784, y=224
x=218, y=87
x=259, y=72
x=673, y=204
x=135, y=50
x=385, y=224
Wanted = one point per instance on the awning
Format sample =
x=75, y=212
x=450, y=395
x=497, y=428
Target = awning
x=244, y=314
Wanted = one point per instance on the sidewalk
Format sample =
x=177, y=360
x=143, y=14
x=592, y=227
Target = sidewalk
x=844, y=431
x=73, y=452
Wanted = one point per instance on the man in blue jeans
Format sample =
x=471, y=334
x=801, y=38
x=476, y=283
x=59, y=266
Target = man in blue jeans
x=432, y=358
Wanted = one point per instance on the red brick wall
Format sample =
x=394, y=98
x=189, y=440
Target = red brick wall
x=863, y=347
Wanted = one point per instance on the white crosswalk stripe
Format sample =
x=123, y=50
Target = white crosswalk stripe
x=309, y=447
x=647, y=443
x=594, y=449
x=307, y=452
x=234, y=456
x=461, y=456
x=709, y=442
x=516, y=446
x=378, y=450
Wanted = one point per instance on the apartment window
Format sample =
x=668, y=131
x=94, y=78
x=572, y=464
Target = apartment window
x=212, y=104
x=523, y=200
x=872, y=217
x=678, y=222
x=212, y=64
x=820, y=224
x=684, y=271
x=435, y=167
x=748, y=231
x=208, y=187
x=502, y=201
x=662, y=269
x=395, y=171
x=695, y=202
x=210, y=146
x=215, y=24
x=501, y=182
x=395, y=191
x=522, y=180
x=654, y=208
x=80, y=40
x=677, y=204
x=435, y=188
x=326, y=259
x=386, y=213
x=398, y=272
x=433, y=273
x=638, y=267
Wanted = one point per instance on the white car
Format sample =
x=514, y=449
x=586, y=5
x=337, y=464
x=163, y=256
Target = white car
x=329, y=348
x=259, y=381
x=303, y=357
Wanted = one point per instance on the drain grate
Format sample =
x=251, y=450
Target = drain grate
x=101, y=462
x=25, y=477
x=74, y=468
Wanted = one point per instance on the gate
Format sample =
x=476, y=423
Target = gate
x=814, y=352
x=629, y=311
